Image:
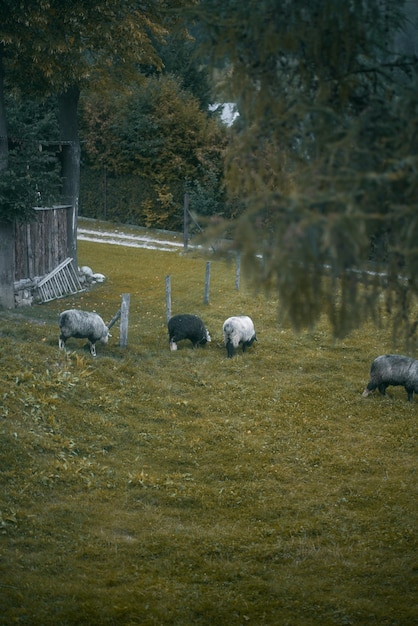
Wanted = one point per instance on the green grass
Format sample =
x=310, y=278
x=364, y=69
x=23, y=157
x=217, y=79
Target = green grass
x=151, y=487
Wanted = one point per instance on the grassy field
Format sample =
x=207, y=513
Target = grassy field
x=174, y=488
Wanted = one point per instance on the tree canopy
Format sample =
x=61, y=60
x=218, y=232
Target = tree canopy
x=50, y=45
x=325, y=161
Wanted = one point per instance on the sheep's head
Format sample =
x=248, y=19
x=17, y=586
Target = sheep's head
x=206, y=338
x=105, y=336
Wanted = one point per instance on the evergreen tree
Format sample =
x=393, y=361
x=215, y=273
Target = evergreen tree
x=33, y=176
x=179, y=54
x=325, y=160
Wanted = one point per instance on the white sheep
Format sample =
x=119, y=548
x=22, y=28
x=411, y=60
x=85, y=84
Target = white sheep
x=238, y=330
x=82, y=325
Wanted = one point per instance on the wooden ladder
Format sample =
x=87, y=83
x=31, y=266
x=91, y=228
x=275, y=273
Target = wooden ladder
x=62, y=281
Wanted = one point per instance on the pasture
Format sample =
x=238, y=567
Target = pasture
x=184, y=488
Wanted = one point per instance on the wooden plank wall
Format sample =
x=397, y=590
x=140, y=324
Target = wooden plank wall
x=42, y=244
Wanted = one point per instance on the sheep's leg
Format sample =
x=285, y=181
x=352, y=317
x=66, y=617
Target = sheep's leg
x=92, y=349
x=410, y=393
x=382, y=388
x=61, y=343
x=230, y=349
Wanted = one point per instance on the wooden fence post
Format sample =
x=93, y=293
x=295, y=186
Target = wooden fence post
x=237, y=271
x=168, y=297
x=186, y=222
x=124, y=318
x=207, y=283
x=105, y=193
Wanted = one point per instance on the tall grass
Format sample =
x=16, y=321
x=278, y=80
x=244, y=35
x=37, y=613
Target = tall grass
x=159, y=488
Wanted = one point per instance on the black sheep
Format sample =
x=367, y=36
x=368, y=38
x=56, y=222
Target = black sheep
x=187, y=326
x=393, y=369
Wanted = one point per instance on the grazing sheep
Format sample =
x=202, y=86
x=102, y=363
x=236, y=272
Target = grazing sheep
x=82, y=325
x=393, y=369
x=239, y=329
x=187, y=326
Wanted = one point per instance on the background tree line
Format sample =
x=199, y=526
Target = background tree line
x=59, y=51
x=149, y=142
x=145, y=139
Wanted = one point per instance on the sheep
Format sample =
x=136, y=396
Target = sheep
x=82, y=324
x=187, y=326
x=393, y=369
x=238, y=330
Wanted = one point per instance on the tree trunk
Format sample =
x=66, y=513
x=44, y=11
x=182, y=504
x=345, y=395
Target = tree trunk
x=67, y=113
x=7, y=230
x=7, y=264
x=4, y=151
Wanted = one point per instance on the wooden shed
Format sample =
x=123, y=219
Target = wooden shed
x=42, y=244
x=38, y=259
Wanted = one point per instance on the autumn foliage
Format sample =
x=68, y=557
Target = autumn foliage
x=152, y=140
